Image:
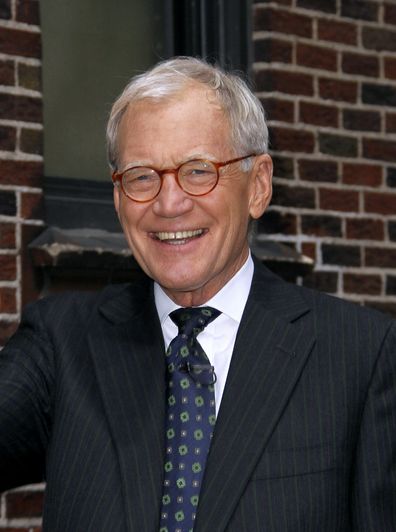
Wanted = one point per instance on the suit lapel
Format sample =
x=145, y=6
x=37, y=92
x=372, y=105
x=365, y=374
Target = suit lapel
x=271, y=349
x=127, y=350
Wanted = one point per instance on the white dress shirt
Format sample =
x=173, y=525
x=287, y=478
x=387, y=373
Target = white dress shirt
x=218, y=338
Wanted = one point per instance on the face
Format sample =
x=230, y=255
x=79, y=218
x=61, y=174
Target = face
x=190, y=245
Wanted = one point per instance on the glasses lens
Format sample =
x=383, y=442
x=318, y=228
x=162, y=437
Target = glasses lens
x=141, y=183
x=198, y=177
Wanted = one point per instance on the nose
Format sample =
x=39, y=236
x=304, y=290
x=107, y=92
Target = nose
x=172, y=201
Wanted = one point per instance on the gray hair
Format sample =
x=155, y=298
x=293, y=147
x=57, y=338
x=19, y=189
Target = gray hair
x=249, y=132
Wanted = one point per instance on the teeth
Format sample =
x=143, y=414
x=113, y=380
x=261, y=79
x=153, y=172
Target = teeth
x=178, y=235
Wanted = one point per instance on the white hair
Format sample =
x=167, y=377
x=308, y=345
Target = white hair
x=249, y=132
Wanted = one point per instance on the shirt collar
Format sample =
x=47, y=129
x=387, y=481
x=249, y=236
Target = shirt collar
x=230, y=300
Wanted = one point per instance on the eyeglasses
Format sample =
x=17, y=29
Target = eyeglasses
x=197, y=178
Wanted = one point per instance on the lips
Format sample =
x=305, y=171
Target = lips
x=177, y=237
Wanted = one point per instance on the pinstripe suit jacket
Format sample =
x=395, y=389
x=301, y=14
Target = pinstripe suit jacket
x=304, y=441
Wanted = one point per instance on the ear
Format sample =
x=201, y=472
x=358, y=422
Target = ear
x=116, y=197
x=261, y=185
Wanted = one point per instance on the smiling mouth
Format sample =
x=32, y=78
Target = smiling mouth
x=178, y=237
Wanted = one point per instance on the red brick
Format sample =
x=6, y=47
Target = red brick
x=309, y=249
x=24, y=108
x=383, y=150
x=32, y=206
x=387, y=308
x=341, y=255
x=318, y=115
x=5, y=9
x=365, y=229
x=7, y=236
x=31, y=141
x=357, y=120
x=28, y=11
x=342, y=32
x=292, y=140
x=378, y=94
x=390, y=67
x=362, y=284
x=19, y=42
x=8, y=206
x=283, y=166
x=293, y=196
x=24, y=504
x=273, y=50
x=379, y=39
x=321, y=225
x=380, y=257
x=7, y=138
x=283, y=81
x=29, y=77
x=7, y=300
x=282, y=21
x=337, y=145
x=279, y=2
x=322, y=280
x=338, y=90
x=277, y=109
x=391, y=285
x=391, y=180
x=362, y=174
x=364, y=65
x=390, y=13
x=21, y=173
x=380, y=203
x=316, y=57
x=318, y=170
x=18, y=529
x=361, y=9
x=275, y=222
x=7, y=268
x=339, y=200
x=390, y=122
x=7, y=74
x=6, y=330
x=327, y=6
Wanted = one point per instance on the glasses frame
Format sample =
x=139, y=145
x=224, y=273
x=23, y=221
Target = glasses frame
x=117, y=176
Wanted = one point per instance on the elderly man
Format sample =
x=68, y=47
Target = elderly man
x=212, y=396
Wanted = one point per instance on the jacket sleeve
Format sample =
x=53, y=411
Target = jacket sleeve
x=374, y=482
x=26, y=389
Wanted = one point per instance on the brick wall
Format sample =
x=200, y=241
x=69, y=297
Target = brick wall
x=21, y=169
x=326, y=73
x=21, y=164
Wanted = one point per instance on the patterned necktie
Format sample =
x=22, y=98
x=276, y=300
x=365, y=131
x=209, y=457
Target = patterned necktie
x=190, y=419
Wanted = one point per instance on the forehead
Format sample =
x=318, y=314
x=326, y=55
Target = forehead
x=190, y=120
x=192, y=100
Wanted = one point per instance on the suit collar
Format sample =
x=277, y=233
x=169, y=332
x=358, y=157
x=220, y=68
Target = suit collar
x=272, y=347
x=125, y=303
x=127, y=350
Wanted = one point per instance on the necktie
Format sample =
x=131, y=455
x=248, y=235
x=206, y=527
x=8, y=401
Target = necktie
x=190, y=419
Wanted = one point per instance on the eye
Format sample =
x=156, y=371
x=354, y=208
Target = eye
x=139, y=174
x=197, y=169
x=143, y=177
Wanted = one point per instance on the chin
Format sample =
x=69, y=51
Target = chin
x=178, y=283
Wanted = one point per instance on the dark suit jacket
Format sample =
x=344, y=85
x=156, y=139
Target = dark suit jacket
x=304, y=441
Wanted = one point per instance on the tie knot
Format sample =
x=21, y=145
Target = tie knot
x=193, y=320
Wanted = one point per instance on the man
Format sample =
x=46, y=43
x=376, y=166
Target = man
x=301, y=385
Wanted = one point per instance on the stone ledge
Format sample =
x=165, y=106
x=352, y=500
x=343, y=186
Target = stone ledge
x=89, y=258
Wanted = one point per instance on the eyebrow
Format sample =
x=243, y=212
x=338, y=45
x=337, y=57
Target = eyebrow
x=192, y=157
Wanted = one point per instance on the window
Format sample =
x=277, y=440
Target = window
x=90, y=50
